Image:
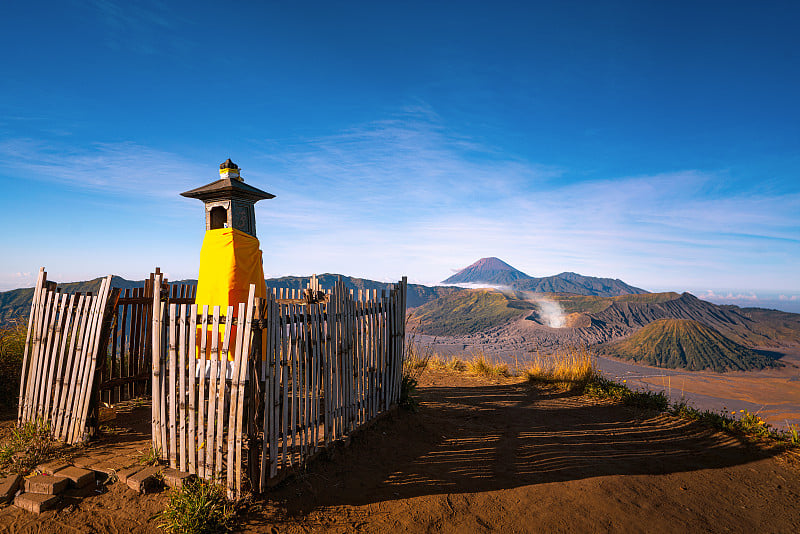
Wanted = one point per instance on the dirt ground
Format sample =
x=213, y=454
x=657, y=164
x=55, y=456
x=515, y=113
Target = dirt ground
x=485, y=456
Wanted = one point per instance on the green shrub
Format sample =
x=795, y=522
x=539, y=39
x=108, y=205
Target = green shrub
x=28, y=446
x=12, y=348
x=602, y=387
x=199, y=507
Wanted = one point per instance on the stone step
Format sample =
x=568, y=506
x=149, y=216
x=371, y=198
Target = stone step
x=124, y=474
x=78, y=477
x=176, y=479
x=8, y=487
x=145, y=480
x=46, y=484
x=36, y=502
x=50, y=468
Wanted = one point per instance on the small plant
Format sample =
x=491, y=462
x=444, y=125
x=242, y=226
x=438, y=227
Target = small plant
x=199, y=507
x=29, y=445
x=793, y=434
x=150, y=456
x=408, y=388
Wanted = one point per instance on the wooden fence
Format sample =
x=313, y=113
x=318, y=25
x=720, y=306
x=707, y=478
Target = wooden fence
x=125, y=372
x=66, y=333
x=290, y=376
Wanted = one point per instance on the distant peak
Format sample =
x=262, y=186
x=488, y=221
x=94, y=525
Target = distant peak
x=492, y=263
x=489, y=270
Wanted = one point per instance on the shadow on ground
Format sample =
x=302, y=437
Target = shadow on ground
x=477, y=439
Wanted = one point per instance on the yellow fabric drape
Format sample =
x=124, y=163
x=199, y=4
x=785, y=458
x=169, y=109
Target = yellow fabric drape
x=230, y=261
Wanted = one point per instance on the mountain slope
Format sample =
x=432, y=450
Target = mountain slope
x=686, y=344
x=577, y=284
x=466, y=312
x=487, y=271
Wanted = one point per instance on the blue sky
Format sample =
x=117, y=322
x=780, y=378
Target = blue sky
x=658, y=143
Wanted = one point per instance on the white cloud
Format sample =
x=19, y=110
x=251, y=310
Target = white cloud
x=107, y=167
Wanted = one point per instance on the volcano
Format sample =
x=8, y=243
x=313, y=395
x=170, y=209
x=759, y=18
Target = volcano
x=487, y=271
x=686, y=344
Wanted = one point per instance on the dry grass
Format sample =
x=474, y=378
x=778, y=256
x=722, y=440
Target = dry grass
x=572, y=368
x=419, y=359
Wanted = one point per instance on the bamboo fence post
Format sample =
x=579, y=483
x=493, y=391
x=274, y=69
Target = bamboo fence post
x=156, y=366
x=233, y=427
x=170, y=397
x=266, y=445
x=94, y=349
x=41, y=357
x=182, y=389
x=32, y=320
x=63, y=367
x=315, y=370
x=220, y=415
x=326, y=370
x=76, y=347
x=284, y=394
x=192, y=356
x=201, y=404
x=274, y=356
x=57, y=362
x=212, y=395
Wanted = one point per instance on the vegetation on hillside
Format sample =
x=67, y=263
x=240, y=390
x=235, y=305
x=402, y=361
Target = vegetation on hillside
x=466, y=312
x=686, y=344
x=592, y=304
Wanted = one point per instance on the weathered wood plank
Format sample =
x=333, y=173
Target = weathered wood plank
x=201, y=389
x=170, y=397
x=212, y=395
x=222, y=396
x=192, y=384
x=182, y=457
x=155, y=380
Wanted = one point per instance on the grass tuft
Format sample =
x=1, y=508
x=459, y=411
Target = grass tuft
x=483, y=365
x=572, y=369
x=199, y=507
x=29, y=445
x=150, y=456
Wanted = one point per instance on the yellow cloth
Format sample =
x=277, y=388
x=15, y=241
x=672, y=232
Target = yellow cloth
x=230, y=261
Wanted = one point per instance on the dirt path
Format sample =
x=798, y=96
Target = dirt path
x=482, y=456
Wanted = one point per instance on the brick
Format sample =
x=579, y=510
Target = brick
x=36, y=502
x=105, y=467
x=50, y=468
x=144, y=480
x=124, y=474
x=83, y=461
x=8, y=487
x=46, y=484
x=78, y=477
x=176, y=479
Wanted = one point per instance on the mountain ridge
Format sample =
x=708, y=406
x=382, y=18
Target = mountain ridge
x=496, y=272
